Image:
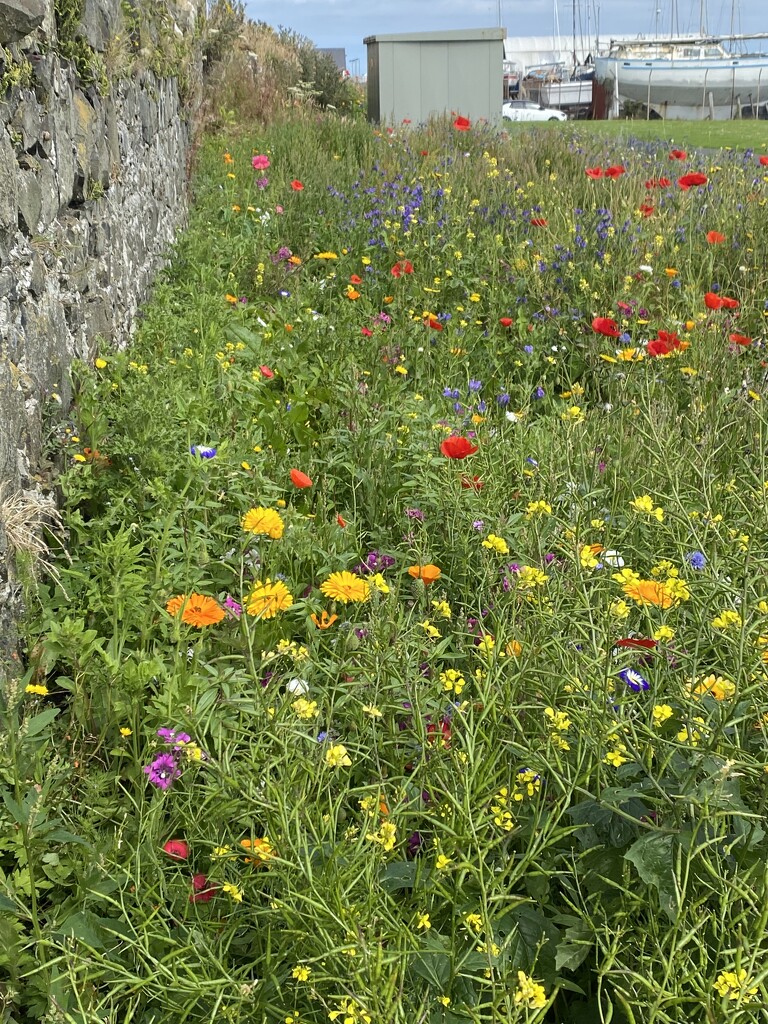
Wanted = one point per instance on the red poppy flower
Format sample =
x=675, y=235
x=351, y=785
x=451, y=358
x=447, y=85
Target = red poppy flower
x=713, y=301
x=265, y=371
x=692, y=180
x=594, y=172
x=657, y=347
x=636, y=641
x=663, y=344
x=354, y=279
x=341, y=520
x=299, y=479
x=538, y=222
x=663, y=183
x=615, y=171
x=506, y=321
x=462, y=124
x=740, y=339
x=714, y=237
x=297, y=186
x=457, y=447
x=729, y=303
x=402, y=267
x=678, y=154
x=176, y=849
x=366, y=331
x=646, y=209
x=764, y=161
x=434, y=323
x=202, y=891
x=445, y=732
x=424, y=152
x=606, y=326
x=471, y=483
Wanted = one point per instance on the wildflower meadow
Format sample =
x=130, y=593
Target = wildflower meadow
x=408, y=661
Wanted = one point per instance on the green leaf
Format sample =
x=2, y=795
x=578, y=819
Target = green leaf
x=39, y=722
x=433, y=961
x=18, y=813
x=7, y=904
x=400, y=875
x=652, y=855
x=574, y=948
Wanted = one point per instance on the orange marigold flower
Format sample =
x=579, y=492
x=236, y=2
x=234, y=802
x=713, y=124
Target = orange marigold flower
x=196, y=609
x=426, y=573
x=324, y=620
x=647, y=592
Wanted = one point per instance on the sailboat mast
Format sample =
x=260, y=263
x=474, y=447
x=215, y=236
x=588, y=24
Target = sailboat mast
x=703, y=17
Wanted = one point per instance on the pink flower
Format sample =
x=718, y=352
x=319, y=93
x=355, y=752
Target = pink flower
x=202, y=890
x=177, y=849
x=260, y=162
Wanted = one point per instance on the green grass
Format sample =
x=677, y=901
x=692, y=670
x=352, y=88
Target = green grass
x=736, y=135
x=527, y=784
x=745, y=134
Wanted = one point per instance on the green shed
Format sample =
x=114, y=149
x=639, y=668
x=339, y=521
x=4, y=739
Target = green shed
x=418, y=74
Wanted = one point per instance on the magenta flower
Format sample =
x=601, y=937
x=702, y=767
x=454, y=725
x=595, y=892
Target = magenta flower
x=260, y=162
x=162, y=771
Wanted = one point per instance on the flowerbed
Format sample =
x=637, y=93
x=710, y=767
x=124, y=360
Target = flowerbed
x=411, y=661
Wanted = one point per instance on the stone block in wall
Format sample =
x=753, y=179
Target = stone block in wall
x=101, y=21
x=9, y=186
x=30, y=198
x=18, y=18
x=84, y=116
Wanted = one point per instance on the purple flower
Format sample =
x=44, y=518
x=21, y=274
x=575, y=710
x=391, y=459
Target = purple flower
x=634, y=680
x=415, y=513
x=414, y=843
x=478, y=524
x=202, y=451
x=235, y=609
x=262, y=182
x=162, y=771
x=528, y=349
x=475, y=385
x=171, y=736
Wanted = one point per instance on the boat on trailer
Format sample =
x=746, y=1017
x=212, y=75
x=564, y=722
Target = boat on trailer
x=692, y=78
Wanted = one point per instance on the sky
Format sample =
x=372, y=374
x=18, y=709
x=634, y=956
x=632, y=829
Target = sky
x=345, y=23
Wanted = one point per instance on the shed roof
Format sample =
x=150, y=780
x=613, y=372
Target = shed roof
x=469, y=35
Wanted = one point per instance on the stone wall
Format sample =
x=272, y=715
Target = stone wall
x=92, y=192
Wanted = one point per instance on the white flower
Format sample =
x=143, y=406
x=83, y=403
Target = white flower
x=512, y=417
x=299, y=686
x=646, y=268
x=613, y=558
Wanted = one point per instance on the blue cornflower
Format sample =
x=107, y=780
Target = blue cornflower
x=450, y=393
x=634, y=680
x=475, y=385
x=202, y=451
x=528, y=349
x=696, y=559
x=503, y=399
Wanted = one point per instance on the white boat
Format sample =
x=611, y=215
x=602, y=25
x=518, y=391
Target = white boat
x=694, y=78
x=560, y=91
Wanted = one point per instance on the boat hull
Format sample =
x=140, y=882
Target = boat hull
x=716, y=89
x=573, y=93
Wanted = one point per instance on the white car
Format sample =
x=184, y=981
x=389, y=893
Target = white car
x=527, y=110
